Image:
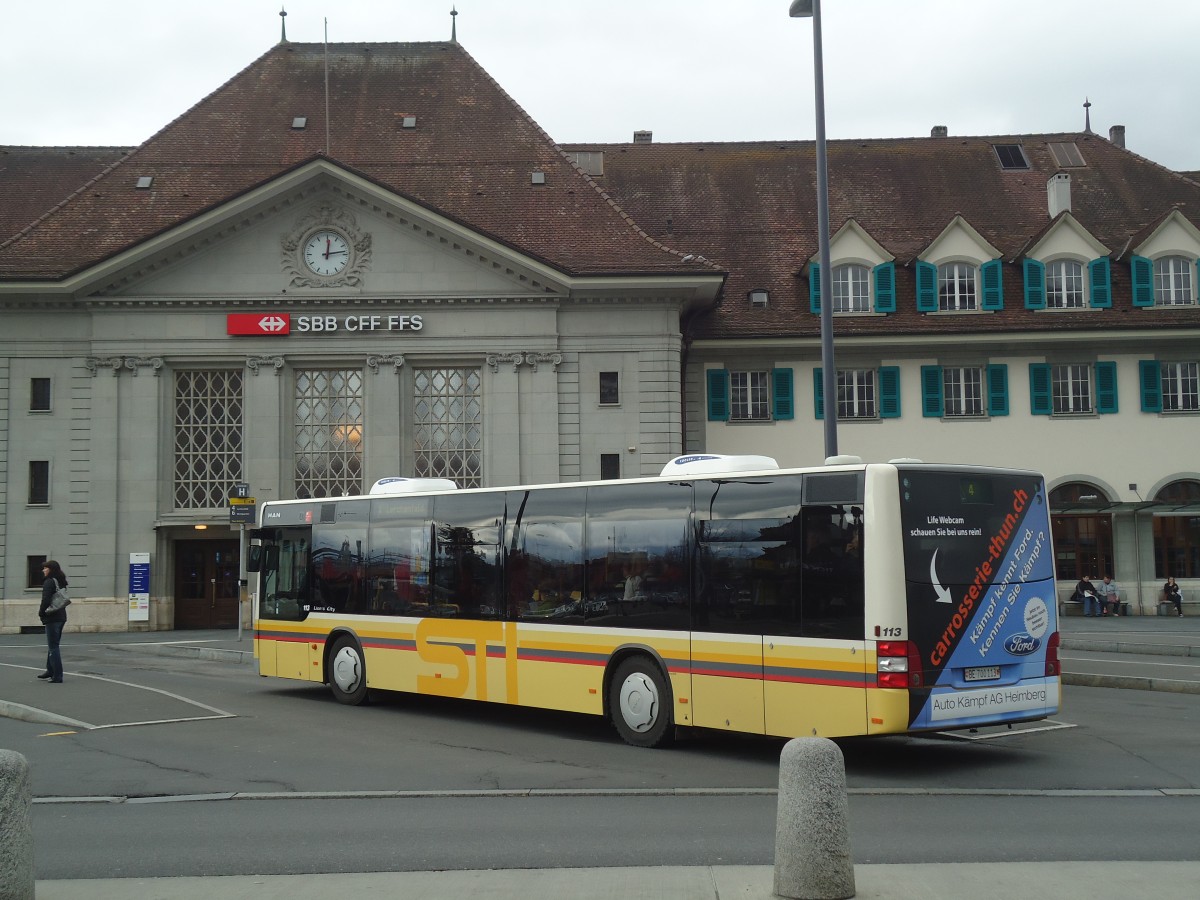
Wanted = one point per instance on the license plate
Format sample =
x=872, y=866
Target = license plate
x=981, y=673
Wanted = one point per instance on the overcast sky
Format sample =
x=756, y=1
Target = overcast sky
x=88, y=73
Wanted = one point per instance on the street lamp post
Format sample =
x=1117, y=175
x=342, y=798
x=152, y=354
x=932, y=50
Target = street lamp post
x=803, y=9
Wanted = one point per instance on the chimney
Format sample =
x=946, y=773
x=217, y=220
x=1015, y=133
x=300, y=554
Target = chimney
x=939, y=131
x=1058, y=194
x=1116, y=134
x=643, y=137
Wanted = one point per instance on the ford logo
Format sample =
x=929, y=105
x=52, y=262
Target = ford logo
x=1021, y=644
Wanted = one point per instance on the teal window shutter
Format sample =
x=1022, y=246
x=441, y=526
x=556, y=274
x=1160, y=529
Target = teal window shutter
x=997, y=381
x=1040, y=400
x=927, y=287
x=889, y=392
x=885, y=287
x=932, y=403
x=819, y=393
x=814, y=288
x=993, y=285
x=782, y=405
x=1106, y=387
x=1035, y=284
x=1141, y=270
x=1100, y=274
x=1150, y=378
x=718, y=395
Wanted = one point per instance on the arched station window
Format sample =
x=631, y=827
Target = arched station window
x=1083, y=543
x=1177, y=530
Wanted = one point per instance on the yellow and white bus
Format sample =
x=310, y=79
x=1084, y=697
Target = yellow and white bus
x=727, y=593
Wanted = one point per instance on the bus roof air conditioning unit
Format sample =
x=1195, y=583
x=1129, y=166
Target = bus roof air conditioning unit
x=397, y=485
x=716, y=463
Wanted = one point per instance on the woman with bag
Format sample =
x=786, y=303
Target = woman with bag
x=53, y=619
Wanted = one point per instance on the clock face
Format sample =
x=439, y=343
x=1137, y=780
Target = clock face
x=326, y=253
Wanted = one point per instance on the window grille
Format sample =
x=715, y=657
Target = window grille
x=208, y=437
x=329, y=432
x=448, y=425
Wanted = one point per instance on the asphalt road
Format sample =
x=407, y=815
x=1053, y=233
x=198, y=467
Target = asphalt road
x=200, y=767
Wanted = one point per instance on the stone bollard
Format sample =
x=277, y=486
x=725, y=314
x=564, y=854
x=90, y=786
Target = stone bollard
x=812, y=835
x=16, y=828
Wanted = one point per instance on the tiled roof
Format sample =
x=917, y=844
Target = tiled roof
x=34, y=179
x=751, y=209
x=470, y=157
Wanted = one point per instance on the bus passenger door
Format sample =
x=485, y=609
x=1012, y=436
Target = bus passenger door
x=816, y=666
x=727, y=682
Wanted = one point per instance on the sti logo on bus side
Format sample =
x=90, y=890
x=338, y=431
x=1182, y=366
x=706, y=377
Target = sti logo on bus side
x=1021, y=644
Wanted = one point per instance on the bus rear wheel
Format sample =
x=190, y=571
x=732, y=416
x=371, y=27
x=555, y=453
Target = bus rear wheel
x=348, y=672
x=640, y=703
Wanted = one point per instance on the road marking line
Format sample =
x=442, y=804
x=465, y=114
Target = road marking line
x=34, y=714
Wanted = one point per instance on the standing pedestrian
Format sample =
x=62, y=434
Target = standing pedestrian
x=54, y=620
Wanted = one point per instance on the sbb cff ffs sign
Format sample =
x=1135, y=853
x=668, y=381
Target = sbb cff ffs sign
x=273, y=324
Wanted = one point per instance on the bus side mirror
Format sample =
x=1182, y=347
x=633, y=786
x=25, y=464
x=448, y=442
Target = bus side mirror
x=254, y=557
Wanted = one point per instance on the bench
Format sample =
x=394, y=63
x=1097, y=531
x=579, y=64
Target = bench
x=1070, y=607
x=1167, y=608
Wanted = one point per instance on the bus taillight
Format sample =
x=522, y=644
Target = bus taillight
x=899, y=664
x=1053, y=667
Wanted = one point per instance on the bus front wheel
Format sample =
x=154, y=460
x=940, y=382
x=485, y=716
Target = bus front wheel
x=348, y=672
x=640, y=703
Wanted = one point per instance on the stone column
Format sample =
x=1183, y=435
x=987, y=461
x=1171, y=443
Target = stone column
x=385, y=430
x=812, y=835
x=16, y=828
x=104, y=442
x=540, y=409
x=267, y=410
x=502, y=419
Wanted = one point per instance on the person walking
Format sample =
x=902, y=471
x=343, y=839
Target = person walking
x=54, y=620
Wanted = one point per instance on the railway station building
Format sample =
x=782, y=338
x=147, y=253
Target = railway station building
x=276, y=296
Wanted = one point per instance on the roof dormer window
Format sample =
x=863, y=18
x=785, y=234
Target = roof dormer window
x=759, y=298
x=1011, y=156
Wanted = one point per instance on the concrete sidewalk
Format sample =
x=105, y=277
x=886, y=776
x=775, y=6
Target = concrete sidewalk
x=944, y=881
